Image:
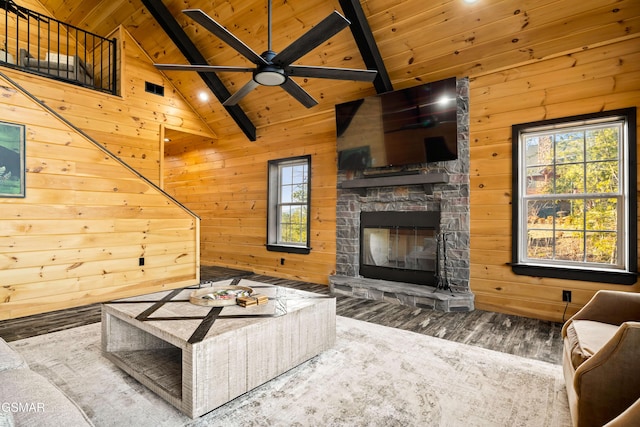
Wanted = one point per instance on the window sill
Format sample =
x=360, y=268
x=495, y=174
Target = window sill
x=613, y=277
x=289, y=249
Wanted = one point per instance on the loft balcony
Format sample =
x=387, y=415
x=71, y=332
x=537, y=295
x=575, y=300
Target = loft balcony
x=39, y=44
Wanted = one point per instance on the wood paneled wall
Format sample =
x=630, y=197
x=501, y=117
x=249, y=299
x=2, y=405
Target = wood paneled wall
x=85, y=223
x=541, y=59
x=598, y=78
x=128, y=125
x=225, y=182
x=87, y=220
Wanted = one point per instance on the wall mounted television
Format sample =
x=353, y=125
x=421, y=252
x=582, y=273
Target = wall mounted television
x=403, y=127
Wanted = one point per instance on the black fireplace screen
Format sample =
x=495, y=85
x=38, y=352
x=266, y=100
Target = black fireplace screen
x=399, y=246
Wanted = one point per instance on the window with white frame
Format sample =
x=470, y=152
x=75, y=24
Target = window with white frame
x=574, y=207
x=289, y=201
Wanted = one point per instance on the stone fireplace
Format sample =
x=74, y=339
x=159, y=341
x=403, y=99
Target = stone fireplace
x=403, y=236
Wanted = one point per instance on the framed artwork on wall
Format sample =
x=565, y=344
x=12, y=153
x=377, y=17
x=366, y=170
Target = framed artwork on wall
x=12, y=160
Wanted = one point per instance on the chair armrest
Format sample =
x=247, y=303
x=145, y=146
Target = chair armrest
x=609, y=381
x=630, y=417
x=613, y=307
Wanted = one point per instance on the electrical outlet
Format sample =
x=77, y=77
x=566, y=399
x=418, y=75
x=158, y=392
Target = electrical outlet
x=566, y=296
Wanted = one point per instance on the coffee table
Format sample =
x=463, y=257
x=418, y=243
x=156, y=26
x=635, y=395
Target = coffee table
x=198, y=358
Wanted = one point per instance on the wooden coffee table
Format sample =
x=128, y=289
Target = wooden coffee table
x=198, y=358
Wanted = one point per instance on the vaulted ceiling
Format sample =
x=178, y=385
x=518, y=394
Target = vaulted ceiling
x=418, y=40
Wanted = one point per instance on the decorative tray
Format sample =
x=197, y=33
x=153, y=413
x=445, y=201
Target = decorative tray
x=219, y=296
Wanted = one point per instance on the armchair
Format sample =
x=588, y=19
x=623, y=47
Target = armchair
x=68, y=67
x=601, y=358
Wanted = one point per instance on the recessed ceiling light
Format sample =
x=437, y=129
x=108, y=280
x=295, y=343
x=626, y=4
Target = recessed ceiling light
x=470, y=1
x=203, y=96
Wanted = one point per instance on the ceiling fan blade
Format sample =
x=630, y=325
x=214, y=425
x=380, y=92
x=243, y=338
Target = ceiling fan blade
x=298, y=93
x=331, y=73
x=313, y=38
x=207, y=22
x=202, y=68
x=244, y=90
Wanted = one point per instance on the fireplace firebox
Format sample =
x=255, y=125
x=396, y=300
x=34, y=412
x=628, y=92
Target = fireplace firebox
x=399, y=246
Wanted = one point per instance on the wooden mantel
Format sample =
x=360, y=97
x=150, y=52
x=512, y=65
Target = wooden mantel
x=395, y=180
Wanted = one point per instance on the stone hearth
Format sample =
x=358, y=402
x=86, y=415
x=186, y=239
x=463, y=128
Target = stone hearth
x=408, y=294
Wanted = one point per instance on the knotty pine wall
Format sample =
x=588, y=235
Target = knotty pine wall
x=225, y=181
x=128, y=125
x=591, y=79
x=77, y=236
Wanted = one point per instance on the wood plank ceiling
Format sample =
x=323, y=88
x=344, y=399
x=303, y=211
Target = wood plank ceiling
x=419, y=41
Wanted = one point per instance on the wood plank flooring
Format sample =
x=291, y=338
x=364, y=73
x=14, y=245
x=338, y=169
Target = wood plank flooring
x=531, y=338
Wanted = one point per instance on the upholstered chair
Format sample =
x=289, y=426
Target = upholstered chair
x=601, y=359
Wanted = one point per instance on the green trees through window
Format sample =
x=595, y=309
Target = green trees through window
x=289, y=200
x=293, y=204
x=573, y=193
x=574, y=207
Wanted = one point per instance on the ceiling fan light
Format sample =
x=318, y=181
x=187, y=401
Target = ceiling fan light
x=272, y=77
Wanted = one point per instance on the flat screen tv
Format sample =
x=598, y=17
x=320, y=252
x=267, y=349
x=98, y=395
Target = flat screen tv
x=404, y=127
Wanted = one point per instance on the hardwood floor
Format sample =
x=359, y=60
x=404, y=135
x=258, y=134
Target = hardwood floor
x=531, y=338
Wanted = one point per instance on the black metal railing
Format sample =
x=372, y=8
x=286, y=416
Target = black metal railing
x=45, y=46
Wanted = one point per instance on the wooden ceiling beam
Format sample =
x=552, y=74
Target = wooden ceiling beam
x=170, y=26
x=366, y=43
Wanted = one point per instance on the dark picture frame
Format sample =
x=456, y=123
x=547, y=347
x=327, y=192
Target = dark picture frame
x=12, y=160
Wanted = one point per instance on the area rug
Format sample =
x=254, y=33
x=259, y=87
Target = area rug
x=373, y=376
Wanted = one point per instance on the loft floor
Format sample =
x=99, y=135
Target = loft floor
x=531, y=338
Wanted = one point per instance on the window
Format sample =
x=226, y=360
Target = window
x=574, y=206
x=289, y=199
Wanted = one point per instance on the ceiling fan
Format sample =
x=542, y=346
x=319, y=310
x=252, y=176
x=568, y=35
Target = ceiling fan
x=275, y=69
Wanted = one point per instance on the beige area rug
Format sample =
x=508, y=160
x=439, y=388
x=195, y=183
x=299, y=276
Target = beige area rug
x=374, y=376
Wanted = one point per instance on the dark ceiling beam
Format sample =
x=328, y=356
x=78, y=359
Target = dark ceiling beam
x=170, y=26
x=366, y=43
